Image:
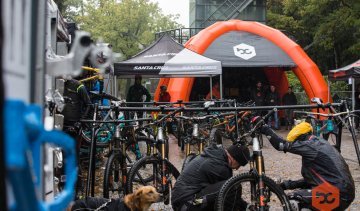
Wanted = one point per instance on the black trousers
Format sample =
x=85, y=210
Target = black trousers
x=304, y=196
x=209, y=196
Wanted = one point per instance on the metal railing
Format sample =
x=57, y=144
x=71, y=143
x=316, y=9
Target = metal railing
x=181, y=35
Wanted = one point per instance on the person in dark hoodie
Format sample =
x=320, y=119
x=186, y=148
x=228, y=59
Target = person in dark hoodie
x=198, y=185
x=273, y=99
x=322, y=165
x=289, y=99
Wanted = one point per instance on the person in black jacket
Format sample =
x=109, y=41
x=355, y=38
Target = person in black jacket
x=77, y=107
x=321, y=163
x=198, y=185
x=289, y=99
x=258, y=95
x=79, y=104
x=273, y=99
x=136, y=93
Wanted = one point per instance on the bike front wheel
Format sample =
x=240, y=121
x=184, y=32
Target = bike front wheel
x=113, y=177
x=242, y=191
x=150, y=167
x=350, y=120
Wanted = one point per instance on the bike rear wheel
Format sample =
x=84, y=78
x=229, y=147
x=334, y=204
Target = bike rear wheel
x=351, y=124
x=242, y=190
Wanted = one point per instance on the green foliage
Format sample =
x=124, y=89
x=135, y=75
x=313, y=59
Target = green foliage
x=294, y=82
x=329, y=30
x=69, y=9
x=128, y=25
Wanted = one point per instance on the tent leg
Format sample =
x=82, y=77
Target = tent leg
x=221, y=87
x=211, y=95
x=115, y=86
x=353, y=93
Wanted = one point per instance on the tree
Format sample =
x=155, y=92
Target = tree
x=329, y=30
x=70, y=9
x=128, y=25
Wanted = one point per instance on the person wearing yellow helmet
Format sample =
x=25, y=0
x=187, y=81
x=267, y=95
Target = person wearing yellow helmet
x=321, y=163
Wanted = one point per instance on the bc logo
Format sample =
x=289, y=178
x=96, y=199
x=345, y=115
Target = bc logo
x=244, y=51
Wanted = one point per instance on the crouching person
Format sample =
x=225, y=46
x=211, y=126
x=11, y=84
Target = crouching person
x=322, y=166
x=198, y=185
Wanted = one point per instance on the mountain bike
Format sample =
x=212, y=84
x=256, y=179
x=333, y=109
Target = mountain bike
x=156, y=166
x=252, y=189
x=116, y=168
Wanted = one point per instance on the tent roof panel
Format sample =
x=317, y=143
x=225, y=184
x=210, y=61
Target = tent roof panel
x=243, y=49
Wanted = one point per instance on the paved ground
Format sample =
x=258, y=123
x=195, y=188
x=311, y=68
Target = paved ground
x=287, y=166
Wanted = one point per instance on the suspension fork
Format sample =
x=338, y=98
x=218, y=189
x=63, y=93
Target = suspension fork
x=261, y=186
x=260, y=168
x=161, y=142
x=187, y=148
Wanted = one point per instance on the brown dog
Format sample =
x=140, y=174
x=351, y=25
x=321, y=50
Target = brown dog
x=140, y=200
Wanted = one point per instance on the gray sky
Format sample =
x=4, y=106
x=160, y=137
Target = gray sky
x=180, y=7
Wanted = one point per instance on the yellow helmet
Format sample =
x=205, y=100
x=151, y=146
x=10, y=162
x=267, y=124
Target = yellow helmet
x=299, y=130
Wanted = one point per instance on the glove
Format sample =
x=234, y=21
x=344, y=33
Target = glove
x=286, y=184
x=265, y=129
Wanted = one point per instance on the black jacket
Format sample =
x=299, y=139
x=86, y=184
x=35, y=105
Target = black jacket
x=320, y=161
x=92, y=203
x=259, y=97
x=136, y=93
x=79, y=105
x=208, y=168
x=272, y=99
x=289, y=99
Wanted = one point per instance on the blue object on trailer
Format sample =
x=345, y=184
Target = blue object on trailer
x=24, y=136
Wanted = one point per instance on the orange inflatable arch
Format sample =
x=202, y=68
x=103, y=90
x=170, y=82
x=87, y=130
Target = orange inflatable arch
x=306, y=70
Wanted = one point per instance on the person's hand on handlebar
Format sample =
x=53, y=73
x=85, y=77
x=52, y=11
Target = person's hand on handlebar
x=259, y=122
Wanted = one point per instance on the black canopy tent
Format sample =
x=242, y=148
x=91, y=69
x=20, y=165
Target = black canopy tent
x=167, y=58
x=351, y=71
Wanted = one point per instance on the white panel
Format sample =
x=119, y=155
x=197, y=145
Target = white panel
x=16, y=53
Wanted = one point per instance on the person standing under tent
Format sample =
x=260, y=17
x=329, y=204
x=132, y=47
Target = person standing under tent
x=289, y=99
x=215, y=92
x=136, y=93
x=258, y=95
x=273, y=99
x=164, y=95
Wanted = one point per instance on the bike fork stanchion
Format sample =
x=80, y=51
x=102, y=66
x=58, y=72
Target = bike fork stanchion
x=236, y=122
x=90, y=183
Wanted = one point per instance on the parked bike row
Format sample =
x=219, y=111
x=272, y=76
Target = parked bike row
x=137, y=149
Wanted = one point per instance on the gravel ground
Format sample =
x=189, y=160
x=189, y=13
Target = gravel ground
x=279, y=166
x=285, y=166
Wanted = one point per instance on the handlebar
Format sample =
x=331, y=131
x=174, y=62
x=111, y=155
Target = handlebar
x=258, y=124
x=209, y=116
x=115, y=121
x=327, y=115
